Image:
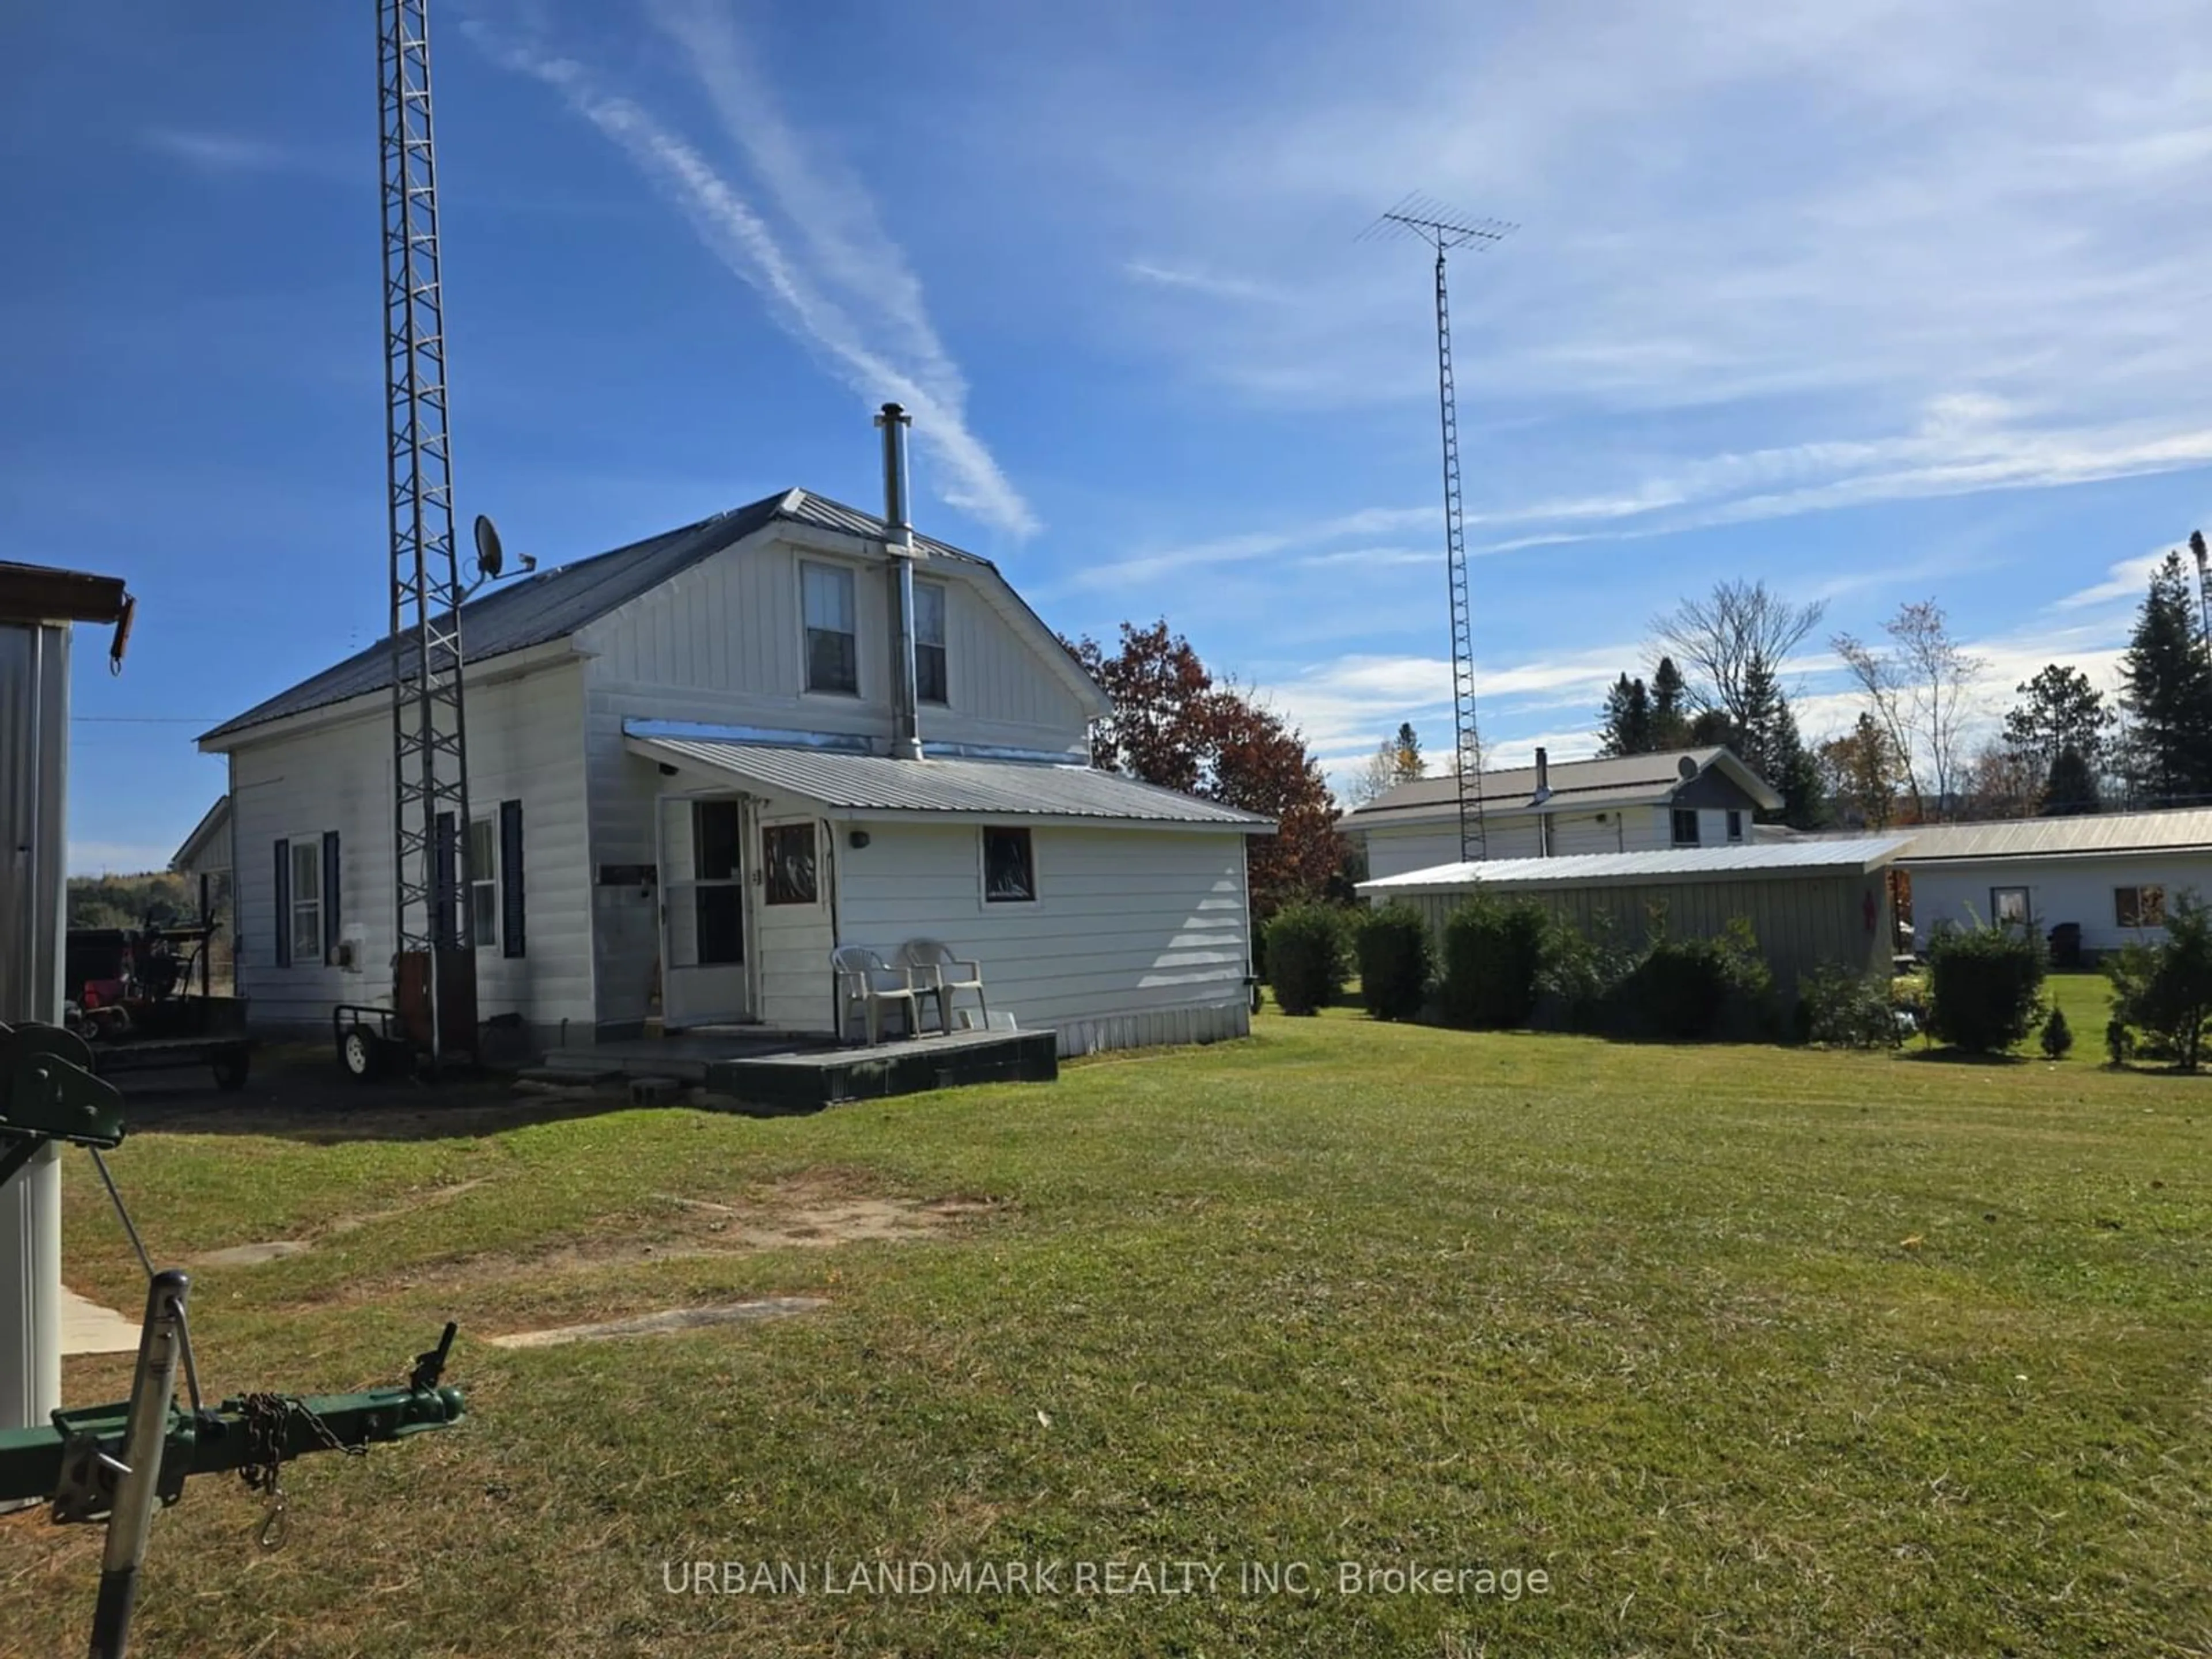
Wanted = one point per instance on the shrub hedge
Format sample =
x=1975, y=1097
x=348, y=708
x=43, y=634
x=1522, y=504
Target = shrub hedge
x=1492, y=955
x=1395, y=961
x=1985, y=987
x=1844, y=1009
x=1306, y=956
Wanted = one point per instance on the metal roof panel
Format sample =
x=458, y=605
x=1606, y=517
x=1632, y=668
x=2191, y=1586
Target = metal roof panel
x=1664, y=867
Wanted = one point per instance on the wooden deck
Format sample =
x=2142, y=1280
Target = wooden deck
x=769, y=1073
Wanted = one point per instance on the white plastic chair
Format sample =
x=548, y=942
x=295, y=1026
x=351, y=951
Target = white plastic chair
x=865, y=978
x=938, y=971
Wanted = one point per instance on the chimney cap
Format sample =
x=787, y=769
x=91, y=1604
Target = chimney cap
x=893, y=412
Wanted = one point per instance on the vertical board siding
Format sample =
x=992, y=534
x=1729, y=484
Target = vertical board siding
x=2059, y=890
x=1801, y=923
x=1129, y=925
x=524, y=745
x=719, y=644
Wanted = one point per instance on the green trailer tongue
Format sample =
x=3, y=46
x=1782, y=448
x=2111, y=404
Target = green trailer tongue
x=119, y=1463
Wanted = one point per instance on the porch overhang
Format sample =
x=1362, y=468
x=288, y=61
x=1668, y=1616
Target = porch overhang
x=875, y=789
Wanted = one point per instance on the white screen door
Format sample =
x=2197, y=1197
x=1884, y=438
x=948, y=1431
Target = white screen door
x=702, y=912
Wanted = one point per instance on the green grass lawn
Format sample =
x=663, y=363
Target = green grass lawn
x=1749, y=1351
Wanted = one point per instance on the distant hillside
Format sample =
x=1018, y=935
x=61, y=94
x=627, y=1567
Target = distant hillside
x=132, y=900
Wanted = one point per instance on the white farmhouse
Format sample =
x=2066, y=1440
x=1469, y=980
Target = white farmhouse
x=1635, y=804
x=684, y=796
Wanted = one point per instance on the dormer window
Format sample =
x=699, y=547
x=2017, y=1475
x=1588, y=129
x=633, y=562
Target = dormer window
x=833, y=644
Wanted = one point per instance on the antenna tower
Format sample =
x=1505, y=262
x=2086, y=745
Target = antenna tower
x=1432, y=224
x=430, y=815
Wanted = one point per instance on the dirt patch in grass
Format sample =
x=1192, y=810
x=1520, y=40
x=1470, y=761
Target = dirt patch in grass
x=275, y=1250
x=664, y=1323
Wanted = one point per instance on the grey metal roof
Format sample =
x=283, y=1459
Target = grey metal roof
x=2091, y=835
x=1578, y=785
x=551, y=605
x=875, y=783
x=1752, y=860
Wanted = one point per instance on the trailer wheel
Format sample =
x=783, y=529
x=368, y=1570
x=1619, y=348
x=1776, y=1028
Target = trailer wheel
x=360, y=1053
x=230, y=1068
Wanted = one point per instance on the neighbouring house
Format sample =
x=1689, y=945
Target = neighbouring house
x=1812, y=902
x=683, y=797
x=1638, y=803
x=2115, y=875
x=204, y=856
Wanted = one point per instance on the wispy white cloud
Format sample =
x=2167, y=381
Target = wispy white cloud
x=1197, y=279
x=219, y=153
x=833, y=277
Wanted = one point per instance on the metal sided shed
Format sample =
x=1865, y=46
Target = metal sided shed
x=1811, y=902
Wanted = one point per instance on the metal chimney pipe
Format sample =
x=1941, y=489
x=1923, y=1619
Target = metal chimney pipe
x=898, y=543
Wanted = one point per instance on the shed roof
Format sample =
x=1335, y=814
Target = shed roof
x=1581, y=785
x=2096, y=834
x=551, y=604
x=869, y=784
x=1677, y=866
x=214, y=823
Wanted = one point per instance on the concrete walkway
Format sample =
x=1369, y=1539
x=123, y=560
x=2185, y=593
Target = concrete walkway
x=88, y=1327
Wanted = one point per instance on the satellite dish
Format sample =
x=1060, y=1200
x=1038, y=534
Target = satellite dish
x=490, y=556
x=1686, y=766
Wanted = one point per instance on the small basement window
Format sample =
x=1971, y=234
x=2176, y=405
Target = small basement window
x=931, y=682
x=2009, y=906
x=307, y=900
x=1686, y=827
x=833, y=645
x=787, y=858
x=1009, y=867
x=483, y=885
x=2139, y=906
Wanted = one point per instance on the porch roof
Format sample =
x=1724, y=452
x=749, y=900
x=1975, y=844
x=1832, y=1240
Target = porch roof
x=876, y=786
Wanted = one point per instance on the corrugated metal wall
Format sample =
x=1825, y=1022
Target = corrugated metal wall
x=1802, y=922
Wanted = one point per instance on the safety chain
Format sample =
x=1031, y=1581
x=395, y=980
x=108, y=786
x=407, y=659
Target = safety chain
x=266, y=1416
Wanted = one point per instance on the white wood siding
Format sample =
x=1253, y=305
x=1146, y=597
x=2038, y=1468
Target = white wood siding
x=2079, y=890
x=1126, y=922
x=721, y=645
x=525, y=743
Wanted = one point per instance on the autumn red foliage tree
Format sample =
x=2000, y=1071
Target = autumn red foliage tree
x=1175, y=725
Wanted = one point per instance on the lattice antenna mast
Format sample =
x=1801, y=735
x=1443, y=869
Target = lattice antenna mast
x=1442, y=230
x=430, y=817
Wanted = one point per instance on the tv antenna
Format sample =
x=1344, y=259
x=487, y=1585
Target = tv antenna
x=1433, y=224
x=430, y=744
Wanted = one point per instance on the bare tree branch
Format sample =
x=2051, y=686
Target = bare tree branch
x=1728, y=638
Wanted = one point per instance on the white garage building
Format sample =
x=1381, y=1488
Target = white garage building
x=684, y=797
x=2114, y=875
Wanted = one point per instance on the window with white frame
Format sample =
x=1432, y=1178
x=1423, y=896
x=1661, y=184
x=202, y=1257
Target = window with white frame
x=307, y=899
x=2009, y=906
x=833, y=645
x=483, y=885
x=931, y=683
x=2139, y=906
x=1009, y=866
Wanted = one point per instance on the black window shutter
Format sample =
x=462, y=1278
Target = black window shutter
x=510, y=878
x=445, y=932
x=330, y=896
x=284, y=904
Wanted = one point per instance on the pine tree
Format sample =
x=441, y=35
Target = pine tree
x=1670, y=707
x=2071, y=788
x=2166, y=689
x=1406, y=748
x=1796, y=773
x=1626, y=728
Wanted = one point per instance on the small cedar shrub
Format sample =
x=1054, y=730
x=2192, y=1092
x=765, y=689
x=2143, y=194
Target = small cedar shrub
x=1306, y=957
x=1985, y=987
x=1492, y=953
x=1840, y=1009
x=1395, y=961
x=1684, y=988
x=2057, y=1035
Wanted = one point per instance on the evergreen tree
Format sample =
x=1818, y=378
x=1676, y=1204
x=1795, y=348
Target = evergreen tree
x=1406, y=748
x=1796, y=773
x=1670, y=707
x=1626, y=720
x=2071, y=788
x=2166, y=689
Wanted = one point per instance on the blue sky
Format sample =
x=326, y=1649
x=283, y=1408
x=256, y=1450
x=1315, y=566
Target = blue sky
x=1873, y=301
